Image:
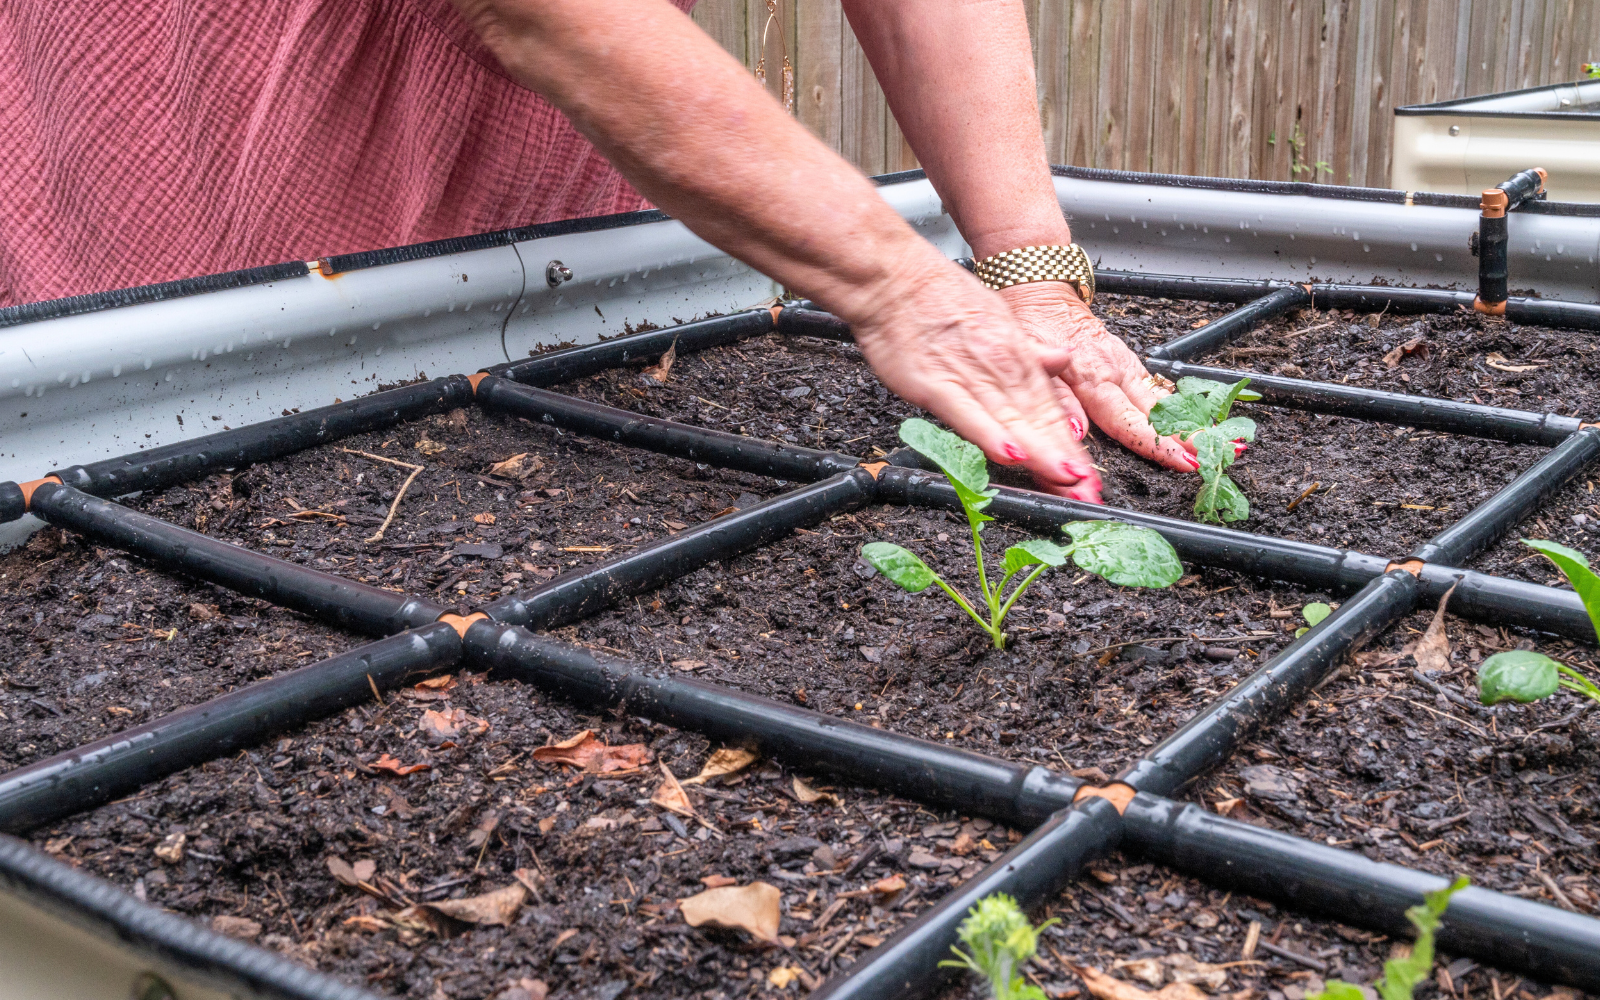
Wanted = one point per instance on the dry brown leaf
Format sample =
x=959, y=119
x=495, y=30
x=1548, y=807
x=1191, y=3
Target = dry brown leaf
x=170, y=849
x=783, y=975
x=1111, y=988
x=519, y=466
x=484, y=830
x=672, y=796
x=753, y=908
x=1183, y=968
x=484, y=518
x=525, y=989
x=393, y=766
x=449, y=724
x=1500, y=361
x=242, y=928
x=805, y=793
x=1146, y=970
x=728, y=760
x=659, y=370
x=718, y=881
x=586, y=752
x=1432, y=649
x=204, y=612
x=688, y=664
x=443, y=682
x=492, y=909
x=889, y=886
x=351, y=874
x=1416, y=345
x=428, y=447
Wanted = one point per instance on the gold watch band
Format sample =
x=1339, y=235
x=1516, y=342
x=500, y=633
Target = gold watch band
x=1067, y=263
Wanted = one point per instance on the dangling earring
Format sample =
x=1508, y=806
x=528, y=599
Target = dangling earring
x=783, y=44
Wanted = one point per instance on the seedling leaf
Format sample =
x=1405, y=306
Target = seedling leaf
x=1220, y=500
x=1221, y=398
x=961, y=462
x=1338, y=989
x=1574, y=565
x=1193, y=385
x=1402, y=975
x=1180, y=414
x=1520, y=675
x=900, y=565
x=1125, y=554
x=1315, y=612
x=1235, y=429
x=1000, y=940
x=1033, y=552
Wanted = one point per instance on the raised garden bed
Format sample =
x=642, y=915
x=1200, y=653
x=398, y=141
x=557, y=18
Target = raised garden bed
x=1093, y=681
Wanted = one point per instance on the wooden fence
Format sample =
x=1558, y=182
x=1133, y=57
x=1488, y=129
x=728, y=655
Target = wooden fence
x=1281, y=89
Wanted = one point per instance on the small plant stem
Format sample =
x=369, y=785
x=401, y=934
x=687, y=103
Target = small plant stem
x=956, y=596
x=977, y=552
x=1575, y=681
x=1018, y=592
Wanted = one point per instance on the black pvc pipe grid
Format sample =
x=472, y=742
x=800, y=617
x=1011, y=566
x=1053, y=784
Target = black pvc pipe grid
x=1563, y=946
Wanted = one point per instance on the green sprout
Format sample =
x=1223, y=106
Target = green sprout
x=1401, y=975
x=1591, y=71
x=1125, y=555
x=1313, y=613
x=1522, y=675
x=1001, y=941
x=1198, y=413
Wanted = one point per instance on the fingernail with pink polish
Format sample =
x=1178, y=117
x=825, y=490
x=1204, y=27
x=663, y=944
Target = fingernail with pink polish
x=1078, y=470
x=1083, y=495
x=1194, y=463
x=1077, y=427
x=1240, y=449
x=1013, y=452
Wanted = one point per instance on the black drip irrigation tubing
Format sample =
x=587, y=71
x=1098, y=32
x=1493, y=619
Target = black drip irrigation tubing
x=1015, y=793
x=1234, y=325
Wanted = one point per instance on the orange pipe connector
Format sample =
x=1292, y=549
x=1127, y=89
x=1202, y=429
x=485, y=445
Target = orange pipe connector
x=461, y=623
x=1116, y=793
x=28, y=488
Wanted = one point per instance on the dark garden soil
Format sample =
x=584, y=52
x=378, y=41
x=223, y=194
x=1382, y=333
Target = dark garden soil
x=96, y=641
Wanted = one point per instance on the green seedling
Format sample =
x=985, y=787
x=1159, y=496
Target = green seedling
x=1402, y=975
x=1198, y=413
x=1522, y=675
x=1001, y=941
x=1591, y=71
x=1125, y=555
x=1313, y=613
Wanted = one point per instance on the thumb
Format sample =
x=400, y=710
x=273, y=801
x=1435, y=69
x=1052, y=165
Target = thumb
x=1053, y=360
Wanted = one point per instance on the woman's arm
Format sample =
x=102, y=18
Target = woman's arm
x=697, y=135
x=959, y=78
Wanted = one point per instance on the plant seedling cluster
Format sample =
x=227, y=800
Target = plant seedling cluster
x=1199, y=413
x=1522, y=675
x=1001, y=941
x=1125, y=555
x=1401, y=976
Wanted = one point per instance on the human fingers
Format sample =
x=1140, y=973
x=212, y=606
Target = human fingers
x=1113, y=412
x=1077, y=420
x=1040, y=428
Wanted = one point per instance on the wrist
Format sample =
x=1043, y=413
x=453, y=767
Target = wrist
x=1041, y=232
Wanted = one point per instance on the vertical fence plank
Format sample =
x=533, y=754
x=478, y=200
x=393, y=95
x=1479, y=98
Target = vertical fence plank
x=818, y=42
x=1083, y=71
x=1266, y=50
x=1112, y=127
x=724, y=20
x=862, y=107
x=1052, y=53
x=1139, y=85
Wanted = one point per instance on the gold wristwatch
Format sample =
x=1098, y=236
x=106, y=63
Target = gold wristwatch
x=1052, y=263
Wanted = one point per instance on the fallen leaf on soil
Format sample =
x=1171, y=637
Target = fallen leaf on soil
x=1110, y=988
x=170, y=849
x=450, y=723
x=1183, y=968
x=484, y=830
x=672, y=796
x=1432, y=650
x=492, y=909
x=519, y=466
x=428, y=447
x=805, y=793
x=586, y=752
x=889, y=886
x=390, y=764
x=963, y=845
x=688, y=664
x=484, y=518
x=728, y=760
x=659, y=370
x=203, y=612
x=351, y=874
x=363, y=922
x=242, y=928
x=782, y=976
x=1099, y=874
x=564, y=937
x=1093, y=774
x=525, y=989
x=752, y=908
x=718, y=881
x=1146, y=970
x=443, y=682
x=1225, y=807
x=1416, y=345
x=1500, y=361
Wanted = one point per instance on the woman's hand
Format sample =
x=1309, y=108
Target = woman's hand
x=1102, y=382
x=943, y=342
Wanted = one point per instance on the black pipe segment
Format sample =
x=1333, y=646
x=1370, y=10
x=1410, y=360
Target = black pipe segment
x=553, y=367
x=1521, y=186
x=1231, y=327
x=91, y=775
x=367, y=609
x=13, y=503
x=1465, y=539
x=1504, y=601
x=1493, y=267
x=1017, y=794
x=186, y=460
x=32, y=878
x=1175, y=286
x=907, y=965
x=583, y=592
x=1517, y=935
x=1422, y=412
x=1381, y=298
x=1549, y=312
x=802, y=320
x=1208, y=738
x=1314, y=567
x=719, y=448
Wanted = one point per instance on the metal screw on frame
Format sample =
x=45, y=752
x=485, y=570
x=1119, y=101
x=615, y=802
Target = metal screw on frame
x=556, y=272
x=1455, y=130
x=149, y=986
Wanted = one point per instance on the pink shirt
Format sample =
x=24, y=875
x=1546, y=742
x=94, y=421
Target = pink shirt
x=149, y=140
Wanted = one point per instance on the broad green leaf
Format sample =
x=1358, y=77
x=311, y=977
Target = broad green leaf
x=1520, y=675
x=1198, y=386
x=1032, y=553
x=1126, y=555
x=1220, y=500
x=900, y=565
x=1180, y=413
x=1338, y=989
x=1235, y=429
x=1574, y=565
x=1401, y=975
x=1315, y=612
x=1221, y=398
x=961, y=461
x=1248, y=396
x=1213, y=451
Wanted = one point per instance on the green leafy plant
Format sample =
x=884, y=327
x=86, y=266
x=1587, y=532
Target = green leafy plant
x=1401, y=975
x=1125, y=555
x=1199, y=413
x=1313, y=613
x=1522, y=675
x=1591, y=71
x=1001, y=941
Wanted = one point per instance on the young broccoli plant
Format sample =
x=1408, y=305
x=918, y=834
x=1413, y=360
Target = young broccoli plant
x=1523, y=675
x=1401, y=975
x=1313, y=613
x=1001, y=941
x=1198, y=413
x=1125, y=555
